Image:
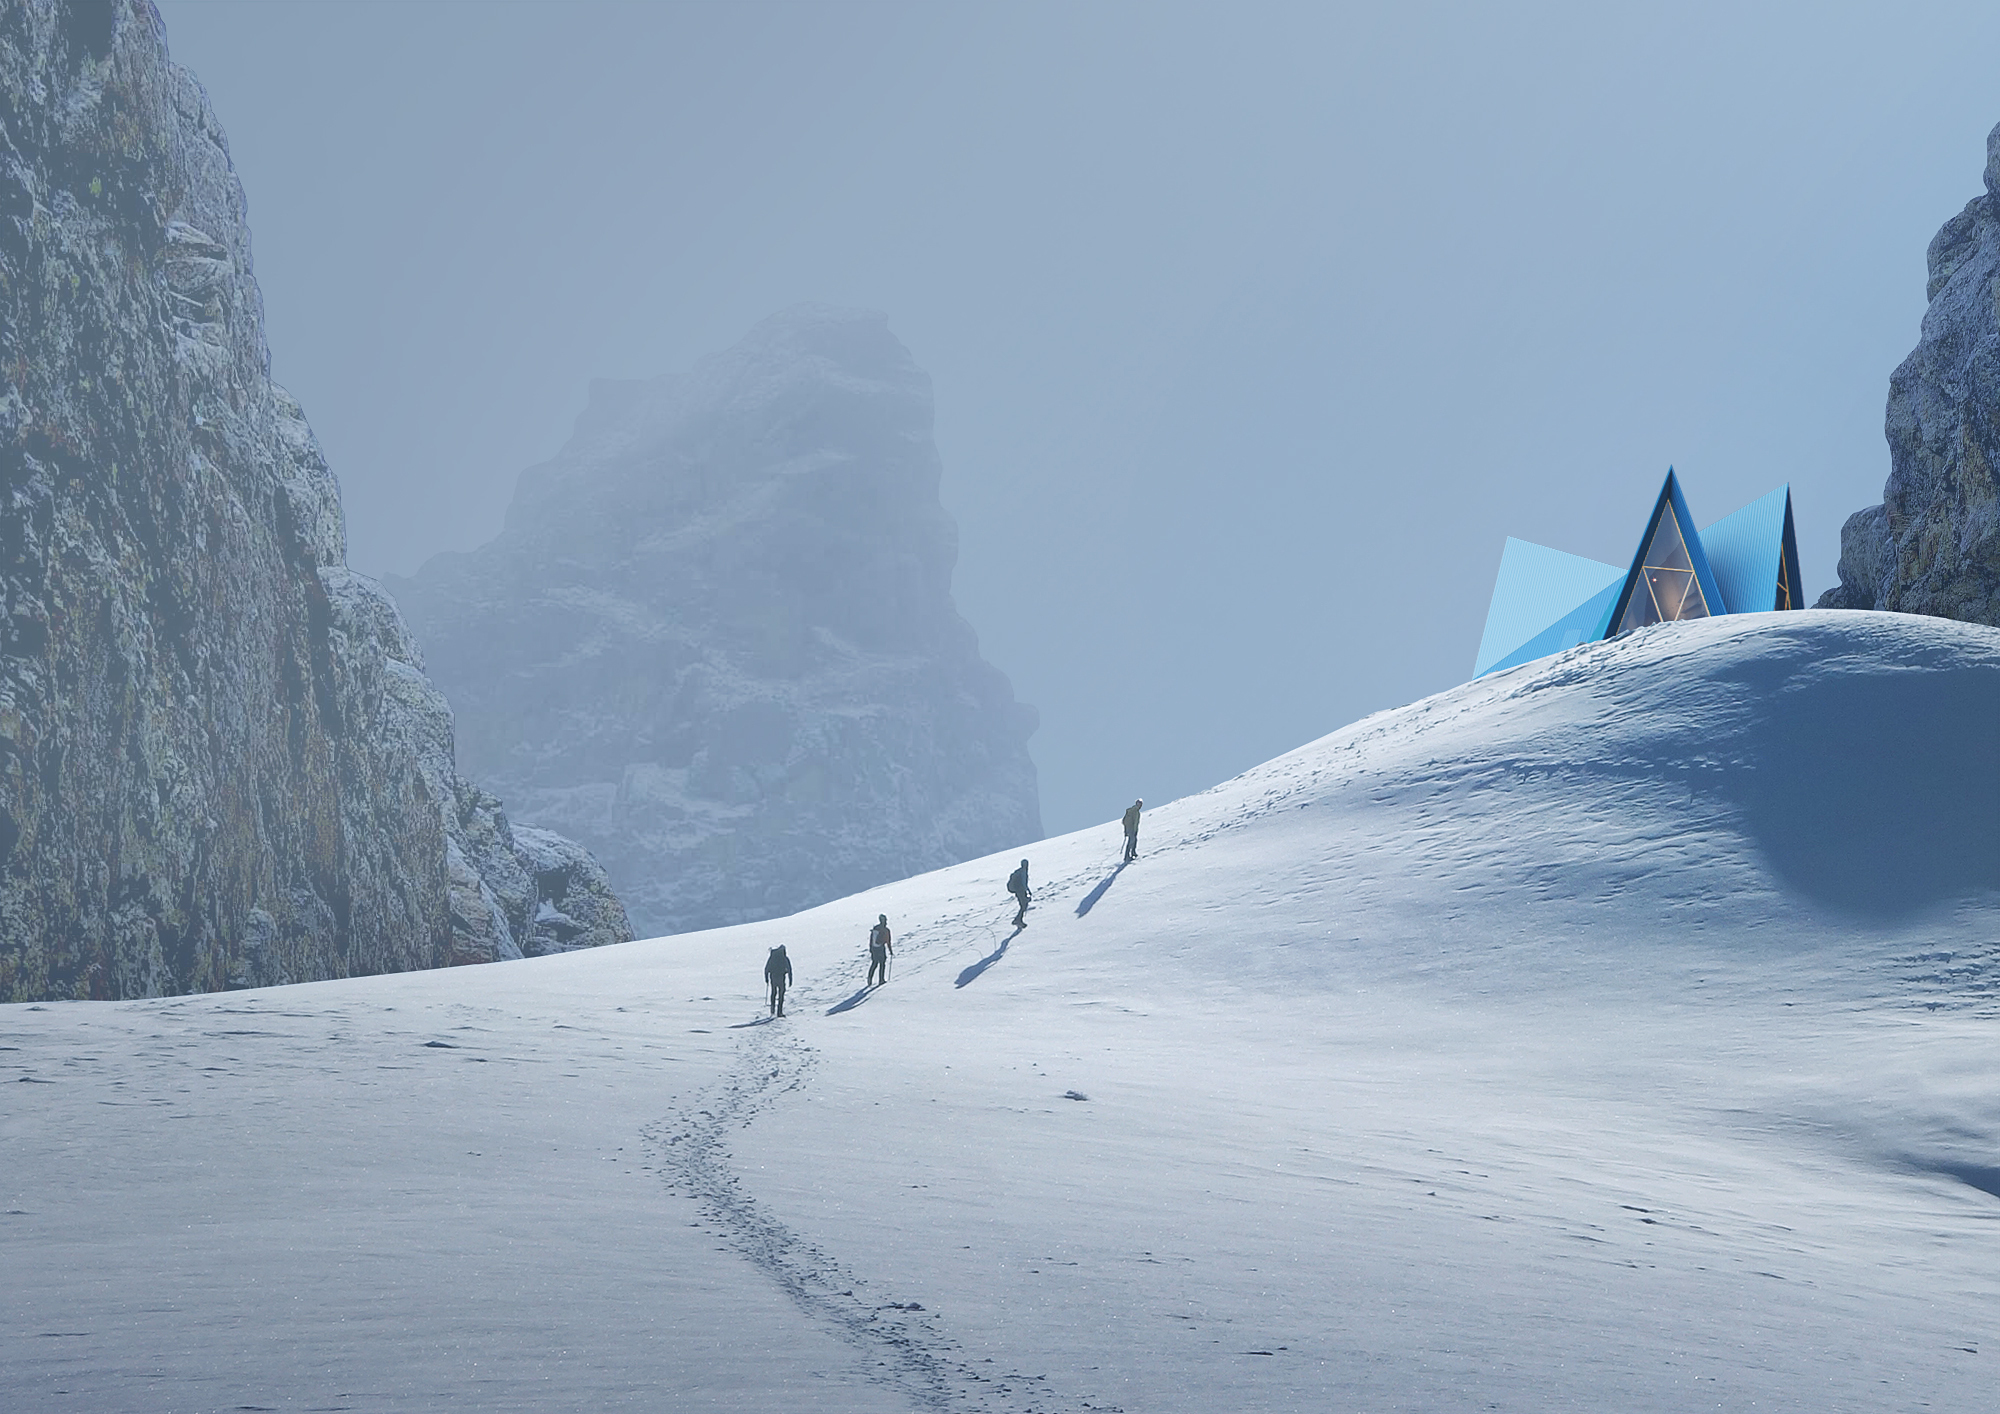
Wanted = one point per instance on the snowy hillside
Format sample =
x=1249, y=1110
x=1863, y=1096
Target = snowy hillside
x=1616, y=1032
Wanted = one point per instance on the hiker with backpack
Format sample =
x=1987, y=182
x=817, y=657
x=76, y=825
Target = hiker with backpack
x=1132, y=830
x=879, y=950
x=778, y=972
x=1017, y=885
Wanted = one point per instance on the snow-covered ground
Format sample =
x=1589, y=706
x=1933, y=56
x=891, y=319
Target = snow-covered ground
x=1614, y=1033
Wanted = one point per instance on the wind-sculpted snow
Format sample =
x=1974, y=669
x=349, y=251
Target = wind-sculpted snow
x=1556, y=1042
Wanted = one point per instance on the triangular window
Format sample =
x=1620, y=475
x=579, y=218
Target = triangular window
x=1667, y=587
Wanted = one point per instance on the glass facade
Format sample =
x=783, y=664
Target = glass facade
x=1678, y=572
x=1667, y=587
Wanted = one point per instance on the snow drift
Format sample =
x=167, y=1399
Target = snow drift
x=1615, y=1032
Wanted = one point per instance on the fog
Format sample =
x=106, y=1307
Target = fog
x=1254, y=330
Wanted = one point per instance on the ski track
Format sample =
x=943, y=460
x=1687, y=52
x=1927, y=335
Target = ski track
x=901, y=1343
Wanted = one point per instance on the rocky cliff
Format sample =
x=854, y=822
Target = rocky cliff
x=1933, y=545
x=716, y=641
x=221, y=763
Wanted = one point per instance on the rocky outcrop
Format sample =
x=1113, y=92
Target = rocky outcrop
x=1933, y=545
x=221, y=763
x=716, y=640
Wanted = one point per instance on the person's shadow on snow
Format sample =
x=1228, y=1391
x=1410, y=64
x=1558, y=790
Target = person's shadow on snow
x=851, y=1003
x=760, y=1021
x=971, y=974
x=1103, y=887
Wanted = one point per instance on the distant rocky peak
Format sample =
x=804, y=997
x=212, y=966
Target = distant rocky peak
x=803, y=390
x=816, y=350
x=796, y=466
x=716, y=641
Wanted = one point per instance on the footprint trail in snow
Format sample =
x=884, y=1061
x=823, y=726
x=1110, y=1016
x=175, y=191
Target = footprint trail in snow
x=900, y=1342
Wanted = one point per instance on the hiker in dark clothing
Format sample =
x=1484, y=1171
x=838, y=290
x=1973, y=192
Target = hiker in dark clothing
x=1132, y=831
x=778, y=972
x=1017, y=885
x=879, y=950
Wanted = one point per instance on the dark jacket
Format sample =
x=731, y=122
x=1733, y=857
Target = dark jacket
x=878, y=940
x=1132, y=820
x=778, y=967
x=1017, y=882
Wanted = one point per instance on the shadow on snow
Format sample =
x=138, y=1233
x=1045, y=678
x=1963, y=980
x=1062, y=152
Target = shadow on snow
x=971, y=974
x=851, y=1003
x=1104, y=886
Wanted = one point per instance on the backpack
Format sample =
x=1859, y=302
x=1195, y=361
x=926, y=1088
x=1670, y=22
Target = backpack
x=1017, y=882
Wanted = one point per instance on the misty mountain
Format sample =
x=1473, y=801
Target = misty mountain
x=221, y=763
x=716, y=642
x=1933, y=545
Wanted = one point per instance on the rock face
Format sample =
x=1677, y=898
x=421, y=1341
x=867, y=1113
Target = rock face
x=1933, y=545
x=716, y=641
x=221, y=763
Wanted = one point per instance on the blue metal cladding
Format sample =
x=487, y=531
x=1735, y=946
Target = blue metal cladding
x=1545, y=601
x=1711, y=592
x=1535, y=587
x=1745, y=550
x=1579, y=625
x=1791, y=557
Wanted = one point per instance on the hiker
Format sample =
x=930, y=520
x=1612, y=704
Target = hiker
x=778, y=972
x=1017, y=885
x=1132, y=831
x=879, y=950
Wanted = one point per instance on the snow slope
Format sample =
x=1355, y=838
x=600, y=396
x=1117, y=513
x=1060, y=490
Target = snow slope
x=1616, y=1032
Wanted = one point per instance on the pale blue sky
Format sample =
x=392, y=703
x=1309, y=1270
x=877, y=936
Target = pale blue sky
x=1255, y=329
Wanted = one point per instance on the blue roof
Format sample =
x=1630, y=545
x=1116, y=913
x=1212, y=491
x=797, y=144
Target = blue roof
x=1744, y=550
x=1711, y=592
x=1545, y=601
x=1536, y=588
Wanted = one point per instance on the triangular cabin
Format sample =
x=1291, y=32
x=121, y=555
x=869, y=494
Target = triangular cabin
x=1545, y=601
